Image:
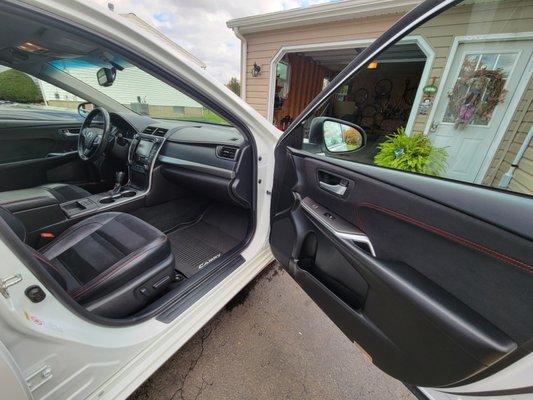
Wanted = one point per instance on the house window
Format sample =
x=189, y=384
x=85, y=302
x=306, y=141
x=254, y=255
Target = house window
x=179, y=110
x=479, y=88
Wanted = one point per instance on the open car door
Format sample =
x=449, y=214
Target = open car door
x=427, y=264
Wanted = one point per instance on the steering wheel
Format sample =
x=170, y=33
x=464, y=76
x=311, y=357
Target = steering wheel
x=94, y=137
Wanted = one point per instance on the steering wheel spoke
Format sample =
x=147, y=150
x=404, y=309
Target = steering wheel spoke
x=94, y=134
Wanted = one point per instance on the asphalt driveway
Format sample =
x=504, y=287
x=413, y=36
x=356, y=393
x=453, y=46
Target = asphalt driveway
x=271, y=342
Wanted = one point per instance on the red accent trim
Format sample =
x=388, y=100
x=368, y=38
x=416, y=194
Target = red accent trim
x=36, y=254
x=451, y=236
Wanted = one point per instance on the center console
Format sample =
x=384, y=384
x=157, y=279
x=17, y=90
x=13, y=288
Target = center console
x=142, y=154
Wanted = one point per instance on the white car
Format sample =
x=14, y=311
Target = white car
x=122, y=237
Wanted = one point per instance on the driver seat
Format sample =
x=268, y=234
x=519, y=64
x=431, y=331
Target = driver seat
x=40, y=196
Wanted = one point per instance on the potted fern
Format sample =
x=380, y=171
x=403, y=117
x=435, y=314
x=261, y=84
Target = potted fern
x=413, y=153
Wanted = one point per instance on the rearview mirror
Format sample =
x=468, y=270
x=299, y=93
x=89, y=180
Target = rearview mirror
x=336, y=135
x=106, y=76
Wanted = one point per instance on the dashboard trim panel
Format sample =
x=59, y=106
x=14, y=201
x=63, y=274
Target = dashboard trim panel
x=208, y=169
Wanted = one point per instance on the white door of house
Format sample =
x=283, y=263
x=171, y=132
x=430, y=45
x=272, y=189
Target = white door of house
x=470, y=113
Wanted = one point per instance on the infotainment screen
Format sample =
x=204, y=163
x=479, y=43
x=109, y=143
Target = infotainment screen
x=143, y=148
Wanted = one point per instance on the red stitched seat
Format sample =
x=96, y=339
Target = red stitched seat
x=112, y=263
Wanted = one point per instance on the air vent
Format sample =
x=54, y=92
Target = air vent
x=149, y=130
x=153, y=130
x=160, y=132
x=227, y=152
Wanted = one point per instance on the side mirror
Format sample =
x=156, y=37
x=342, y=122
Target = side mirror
x=106, y=76
x=85, y=108
x=336, y=135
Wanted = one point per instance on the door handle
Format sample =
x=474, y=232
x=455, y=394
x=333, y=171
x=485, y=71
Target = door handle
x=338, y=188
x=65, y=133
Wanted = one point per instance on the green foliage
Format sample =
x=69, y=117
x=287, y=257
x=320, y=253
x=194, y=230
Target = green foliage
x=234, y=85
x=18, y=87
x=413, y=153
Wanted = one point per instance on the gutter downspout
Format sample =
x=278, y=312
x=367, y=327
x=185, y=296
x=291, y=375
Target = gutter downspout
x=244, y=53
x=506, y=178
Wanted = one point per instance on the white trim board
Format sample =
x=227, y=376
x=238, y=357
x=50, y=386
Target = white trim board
x=419, y=40
x=519, y=92
x=321, y=13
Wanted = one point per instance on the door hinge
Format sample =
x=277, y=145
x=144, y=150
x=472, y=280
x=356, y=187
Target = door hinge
x=38, y=378
x=7, y=282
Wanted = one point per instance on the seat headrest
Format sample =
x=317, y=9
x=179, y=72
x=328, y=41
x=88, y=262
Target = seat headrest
x=14, y=223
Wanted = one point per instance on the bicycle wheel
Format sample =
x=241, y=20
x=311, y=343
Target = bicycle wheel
x=383, y=88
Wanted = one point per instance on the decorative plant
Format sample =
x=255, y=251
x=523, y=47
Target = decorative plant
x=413, y=153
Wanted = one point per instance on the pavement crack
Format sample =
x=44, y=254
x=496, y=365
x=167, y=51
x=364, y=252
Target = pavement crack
x=207, y=331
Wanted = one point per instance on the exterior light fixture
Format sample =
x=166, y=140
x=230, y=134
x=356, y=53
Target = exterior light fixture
x=256, y=70
x=372, y=65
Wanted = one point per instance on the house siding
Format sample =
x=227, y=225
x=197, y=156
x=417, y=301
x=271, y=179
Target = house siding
x=513, y=139
x=263, y=46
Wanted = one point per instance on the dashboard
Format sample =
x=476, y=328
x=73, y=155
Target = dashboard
x=213, y=160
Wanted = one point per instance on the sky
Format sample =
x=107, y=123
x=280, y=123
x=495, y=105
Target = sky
x=199, y=26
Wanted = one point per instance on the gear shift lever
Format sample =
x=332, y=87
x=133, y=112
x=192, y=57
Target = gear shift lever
x=119, y=177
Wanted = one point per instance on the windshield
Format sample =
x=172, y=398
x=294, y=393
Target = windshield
x=141, y=92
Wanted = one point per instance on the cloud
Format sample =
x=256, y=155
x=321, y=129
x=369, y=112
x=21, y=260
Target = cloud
x=199, y=26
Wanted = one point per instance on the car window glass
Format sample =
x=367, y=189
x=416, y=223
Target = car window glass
x=453, y=99
x=24, y=97
x=141, y=92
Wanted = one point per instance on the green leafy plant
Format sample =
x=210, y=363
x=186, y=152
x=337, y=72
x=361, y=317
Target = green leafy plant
x=18, y=87
x=413, y=153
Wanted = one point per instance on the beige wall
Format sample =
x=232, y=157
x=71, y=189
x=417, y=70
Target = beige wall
x=263, y=46
x=512, y=141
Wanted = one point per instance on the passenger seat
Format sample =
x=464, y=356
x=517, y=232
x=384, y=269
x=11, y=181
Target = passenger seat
x=113, y=263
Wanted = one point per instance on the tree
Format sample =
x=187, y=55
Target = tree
x=234, y=85
x=18, y=87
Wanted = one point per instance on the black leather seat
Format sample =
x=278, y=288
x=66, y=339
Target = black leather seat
x=112, y=263
x=40, y=196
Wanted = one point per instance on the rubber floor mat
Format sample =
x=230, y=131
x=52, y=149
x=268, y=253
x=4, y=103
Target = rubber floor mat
x=168, y=216
x=219, y=230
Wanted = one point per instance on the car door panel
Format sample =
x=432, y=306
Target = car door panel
x=34, y=153
x=447, y=294
x=25, y=140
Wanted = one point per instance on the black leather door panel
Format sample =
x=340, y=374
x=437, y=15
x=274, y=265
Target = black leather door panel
x=447, y=295
x=33, y=153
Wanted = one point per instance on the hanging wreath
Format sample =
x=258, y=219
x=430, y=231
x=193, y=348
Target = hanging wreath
x=475, y=97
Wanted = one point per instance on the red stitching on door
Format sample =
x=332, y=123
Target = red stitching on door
x=451, y=236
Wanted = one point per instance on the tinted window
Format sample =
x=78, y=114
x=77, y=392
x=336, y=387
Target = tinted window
x=452, y=99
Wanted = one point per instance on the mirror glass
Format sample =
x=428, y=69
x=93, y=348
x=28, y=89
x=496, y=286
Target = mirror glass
x=105, y=77
x=341, y=138
x=85, y=108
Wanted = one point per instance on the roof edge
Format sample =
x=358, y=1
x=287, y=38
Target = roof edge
x=348, y=9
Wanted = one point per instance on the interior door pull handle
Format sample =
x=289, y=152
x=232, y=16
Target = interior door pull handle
x=337, y=189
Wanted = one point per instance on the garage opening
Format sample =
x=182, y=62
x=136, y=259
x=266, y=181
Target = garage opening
x=380, y=100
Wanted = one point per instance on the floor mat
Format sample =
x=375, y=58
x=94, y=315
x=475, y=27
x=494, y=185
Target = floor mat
x=220, y=229
x=170, y=215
